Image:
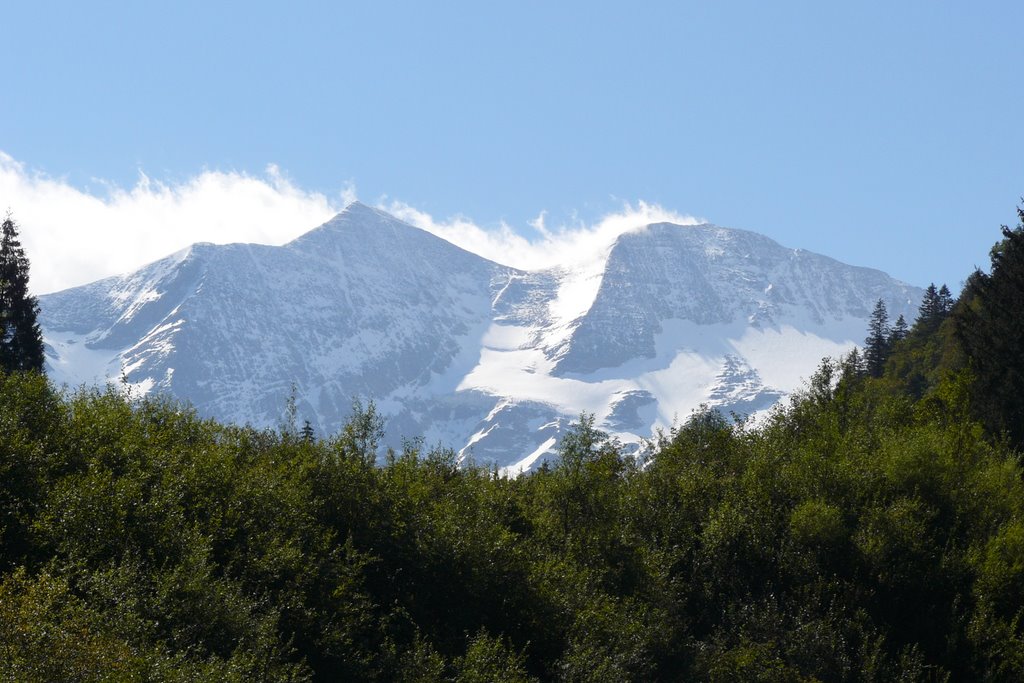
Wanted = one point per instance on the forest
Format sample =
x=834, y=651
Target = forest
x=870, y=529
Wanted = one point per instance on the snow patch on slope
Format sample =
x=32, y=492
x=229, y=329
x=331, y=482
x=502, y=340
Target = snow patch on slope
x=71, y=361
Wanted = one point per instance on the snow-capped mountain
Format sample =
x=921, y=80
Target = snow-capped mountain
x=490, y=360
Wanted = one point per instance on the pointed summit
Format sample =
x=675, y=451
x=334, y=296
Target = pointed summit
x=356, y=214
x=358, y=209
x=391, y=242
x=356, y=223
x=357, y=205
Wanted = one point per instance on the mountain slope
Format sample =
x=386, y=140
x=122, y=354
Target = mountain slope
x=713, y=276
x=360, y=306
x=460, y=350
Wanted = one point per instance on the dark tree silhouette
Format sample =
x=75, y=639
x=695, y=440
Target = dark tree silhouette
x=990, y=327
x=307, y=434
x=21, y=341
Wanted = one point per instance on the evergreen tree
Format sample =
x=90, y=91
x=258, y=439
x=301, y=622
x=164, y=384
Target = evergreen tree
x=21, y=341
x=876, y=346
x=990, y=328
x=935, y=307
x=307, y=434
x=899, y=331
x=945, y=301
x=929, y=308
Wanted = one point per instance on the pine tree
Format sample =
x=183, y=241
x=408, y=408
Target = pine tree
x=876, y=346
x=21, y=341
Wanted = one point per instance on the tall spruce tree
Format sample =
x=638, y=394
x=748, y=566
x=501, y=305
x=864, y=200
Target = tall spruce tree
x=21, y=341
x=876, y=346
x=945, y=302
x=929, y=308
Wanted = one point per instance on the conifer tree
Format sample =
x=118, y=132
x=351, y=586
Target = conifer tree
x=990, y=328
x=945, y=302
x=308, y=435
x=935, y=307
x=21, y=341
x=899, y=331
x=929, y=308
x=876, y=346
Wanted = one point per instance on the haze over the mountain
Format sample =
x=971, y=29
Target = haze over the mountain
x=491, y=360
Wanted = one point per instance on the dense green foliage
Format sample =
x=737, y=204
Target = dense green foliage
x=21, y=341
x=870, y=530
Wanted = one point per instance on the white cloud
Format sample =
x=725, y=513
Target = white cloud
x=566, y=245
x=73, y=237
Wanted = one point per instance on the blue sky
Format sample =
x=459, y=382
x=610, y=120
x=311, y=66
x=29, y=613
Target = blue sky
x=882, y=134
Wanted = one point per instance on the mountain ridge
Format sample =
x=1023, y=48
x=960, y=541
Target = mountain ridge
x=492, y=360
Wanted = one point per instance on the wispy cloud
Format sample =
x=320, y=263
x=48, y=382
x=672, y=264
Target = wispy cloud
x=73, y=236
x=569, y=244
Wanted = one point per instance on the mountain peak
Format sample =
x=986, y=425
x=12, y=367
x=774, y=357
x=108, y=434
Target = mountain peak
x=357, y=213
x=358, y=222
x=461, y=350
x=357, y=208
x=386, y=241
